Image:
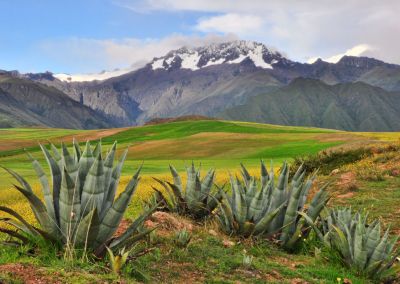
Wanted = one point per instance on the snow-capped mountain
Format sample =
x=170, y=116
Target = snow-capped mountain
x=211, y=79
x=224, y=53
x=193, y=59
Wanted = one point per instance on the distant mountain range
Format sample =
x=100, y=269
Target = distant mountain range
x=27, y=103
x=239, y=80
x=350, y=106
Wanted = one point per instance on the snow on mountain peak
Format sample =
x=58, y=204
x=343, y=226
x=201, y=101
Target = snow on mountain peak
x=233, y=52
x=229, y=53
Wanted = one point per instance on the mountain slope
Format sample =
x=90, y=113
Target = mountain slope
x=208, y=80
x=26, y=103
x=202, y=81
x=309, y=102
x=145, y=94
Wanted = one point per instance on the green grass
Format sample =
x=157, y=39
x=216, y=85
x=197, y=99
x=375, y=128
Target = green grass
x=380, y=199
x=219, y=144
x=294, y=149
x=206, y=259
x=176, y=130
x=29, y=134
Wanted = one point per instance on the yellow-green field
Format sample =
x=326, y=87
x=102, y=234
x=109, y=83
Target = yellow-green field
x=219, y=144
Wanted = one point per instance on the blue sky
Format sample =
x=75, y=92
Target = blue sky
x=27, y=25
x=90, y=36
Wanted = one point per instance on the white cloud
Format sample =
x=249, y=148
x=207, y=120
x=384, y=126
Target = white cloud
x=357, y=50
x=91, y=76
x=230, y=23
x=301, y=28
x=81, y=55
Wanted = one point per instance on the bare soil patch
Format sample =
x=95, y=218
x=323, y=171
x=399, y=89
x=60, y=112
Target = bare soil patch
x=168, y=224
x=27, y=274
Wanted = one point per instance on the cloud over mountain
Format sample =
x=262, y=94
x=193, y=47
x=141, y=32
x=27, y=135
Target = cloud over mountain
x=304, y=28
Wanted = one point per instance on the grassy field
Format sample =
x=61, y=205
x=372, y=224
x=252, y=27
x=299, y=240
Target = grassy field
x=218, y=144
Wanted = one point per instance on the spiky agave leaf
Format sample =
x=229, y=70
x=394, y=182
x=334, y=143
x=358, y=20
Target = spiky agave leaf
x=56, y=181
x=85, y=163
x=35, y=203
x=289, y=222
x=114, y=181
x=114, y=215
x=93, y=189
x=46, y=191
x=87, y=229
x=77, y=150
x=70, y=205
x=27, y=228
x=69, y=162
x=108, y=169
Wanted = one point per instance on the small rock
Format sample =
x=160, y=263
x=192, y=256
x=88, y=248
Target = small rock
x=346, y=195
x=298, y=281
x=169, y=221
x=335, y=172
x=395, y=172
x=228, y=243
x=275, y=274
x=150, y=224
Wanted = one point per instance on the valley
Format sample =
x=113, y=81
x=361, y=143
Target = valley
x=225, y=81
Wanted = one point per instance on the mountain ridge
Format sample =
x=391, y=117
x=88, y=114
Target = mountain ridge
x=211, y=79
x=309, y=102
x=27, y=103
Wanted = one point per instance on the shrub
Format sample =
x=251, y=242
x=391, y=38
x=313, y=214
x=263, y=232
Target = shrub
x=367, y=170
x=327, y=161
x=119, y=260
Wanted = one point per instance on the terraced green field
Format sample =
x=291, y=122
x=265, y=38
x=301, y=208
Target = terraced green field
x=219, y=144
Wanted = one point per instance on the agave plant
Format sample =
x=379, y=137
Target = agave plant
x=197, y=200
x=182, y=238
x=247, y=260
x=359, y=243
x=80, y=211
x=119, y=260
x=270, y=209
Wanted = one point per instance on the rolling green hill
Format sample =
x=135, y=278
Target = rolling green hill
x=220, y=144
x=309, y=102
